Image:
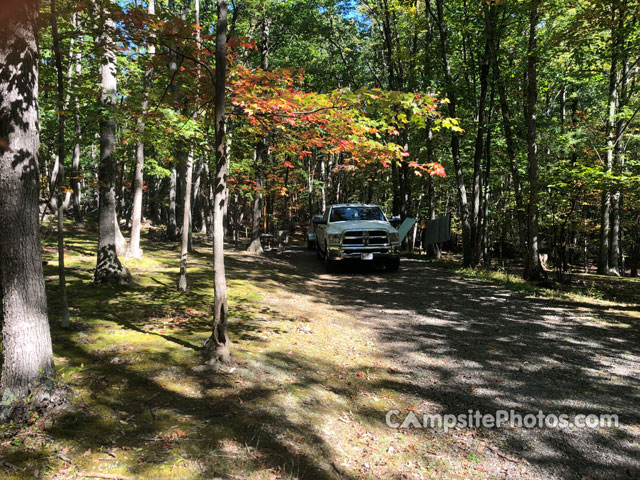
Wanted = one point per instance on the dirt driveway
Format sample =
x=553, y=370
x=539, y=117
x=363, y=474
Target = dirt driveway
x=457, y=344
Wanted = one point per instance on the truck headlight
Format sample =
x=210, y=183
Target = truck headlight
x=333, y=238
x=394, y=237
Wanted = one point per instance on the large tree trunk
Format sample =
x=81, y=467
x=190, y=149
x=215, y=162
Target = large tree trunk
x=108, y=267
x=217, y=347
x=136, y=208
x=26, y=341
x=455, y=139
x=533, y=269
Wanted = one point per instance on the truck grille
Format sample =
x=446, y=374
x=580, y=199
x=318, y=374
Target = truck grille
x=365, y=238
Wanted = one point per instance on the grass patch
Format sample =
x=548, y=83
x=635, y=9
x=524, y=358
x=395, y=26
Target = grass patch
x=578, y=287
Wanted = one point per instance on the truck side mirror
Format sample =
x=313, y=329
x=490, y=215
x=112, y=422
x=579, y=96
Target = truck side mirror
x=317, y=220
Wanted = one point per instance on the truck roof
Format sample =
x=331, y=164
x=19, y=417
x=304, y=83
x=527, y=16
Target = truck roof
x=354, y=205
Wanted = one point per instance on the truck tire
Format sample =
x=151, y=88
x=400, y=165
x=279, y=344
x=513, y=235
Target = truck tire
x=329, y=265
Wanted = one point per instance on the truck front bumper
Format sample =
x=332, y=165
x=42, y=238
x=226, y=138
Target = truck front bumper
x=378, y=252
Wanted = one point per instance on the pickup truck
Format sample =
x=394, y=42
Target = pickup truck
x=356, y=231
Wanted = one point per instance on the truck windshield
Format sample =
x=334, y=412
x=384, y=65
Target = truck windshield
x=345, y=214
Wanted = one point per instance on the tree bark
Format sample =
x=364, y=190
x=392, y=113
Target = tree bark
x=108, y=267
x=26, y=347
x=217, y=347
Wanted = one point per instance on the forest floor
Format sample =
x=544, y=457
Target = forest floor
x=318, y=360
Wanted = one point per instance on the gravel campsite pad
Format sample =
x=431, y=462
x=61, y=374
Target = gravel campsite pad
x=456, y=344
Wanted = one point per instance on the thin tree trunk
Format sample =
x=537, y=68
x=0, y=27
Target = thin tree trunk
x=486, y=258
x=476, y=201
x=605, y=202
x=217, y=346
x=172, y=224
x=196, y=196
x=27, y=354
x=432, y=250
x=533, y=270
x=455, y=138
x=508, y=132
x=108, y=266
x=256, y=222
x=261, y=153
x=618, y=166
x=58, y=198
x=75, y=194
x=136, y=208
x=76, y=186
x=186, y=224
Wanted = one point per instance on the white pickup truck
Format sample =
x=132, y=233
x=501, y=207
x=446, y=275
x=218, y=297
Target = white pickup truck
x=356, y=231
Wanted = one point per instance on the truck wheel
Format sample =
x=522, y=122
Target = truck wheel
x=329, y=265
x=393, y=265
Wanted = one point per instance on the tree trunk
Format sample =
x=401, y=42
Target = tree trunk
x=618, y=164
x=27, y=354
x=217, y=347
x=433, y=250
x=605, y=202
x=476, y=201
x=256, y=222
x=75, y=195
x=508, y=132
x=136, y=208
x=455, y=139
x=486, y=257
x=261, y=153
x=186, y=224
x=108, y=267
x=533, y=269
x=172, y=224
x=58, y=197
